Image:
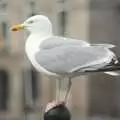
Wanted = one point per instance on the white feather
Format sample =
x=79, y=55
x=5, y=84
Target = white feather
x=112, y=73
x=104, y=45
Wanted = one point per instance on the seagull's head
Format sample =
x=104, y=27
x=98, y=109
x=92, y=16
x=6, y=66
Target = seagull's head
x=37, y=23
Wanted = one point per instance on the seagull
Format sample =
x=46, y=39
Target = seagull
x=65, y=57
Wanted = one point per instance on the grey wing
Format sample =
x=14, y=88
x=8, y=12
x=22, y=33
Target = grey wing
x=56, y=41
x=67, y=59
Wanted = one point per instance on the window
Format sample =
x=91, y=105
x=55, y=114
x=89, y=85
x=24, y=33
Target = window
x=34, y=84
x=3, y=6
x=62, y=22
x=32, y=9
x=32, y=4
x=3, y=35
x=31, y=77
x=3, y=89
x=4, y=29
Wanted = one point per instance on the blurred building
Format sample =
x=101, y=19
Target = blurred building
x=93, y=96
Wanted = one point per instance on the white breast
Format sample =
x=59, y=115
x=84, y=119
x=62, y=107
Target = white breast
x=31, y=48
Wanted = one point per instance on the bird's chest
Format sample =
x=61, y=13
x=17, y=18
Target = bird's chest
x=31, y=47
x=31, y=50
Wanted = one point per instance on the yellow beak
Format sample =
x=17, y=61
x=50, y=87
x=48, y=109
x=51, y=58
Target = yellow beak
x=17, y=27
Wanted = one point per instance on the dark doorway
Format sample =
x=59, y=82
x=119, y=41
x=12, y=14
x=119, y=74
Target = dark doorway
x=3, y=89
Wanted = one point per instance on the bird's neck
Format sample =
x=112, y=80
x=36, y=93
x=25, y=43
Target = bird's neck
x=40, y=34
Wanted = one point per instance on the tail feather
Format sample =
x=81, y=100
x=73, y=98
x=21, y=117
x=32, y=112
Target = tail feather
x=112, y=73
x=105, y=45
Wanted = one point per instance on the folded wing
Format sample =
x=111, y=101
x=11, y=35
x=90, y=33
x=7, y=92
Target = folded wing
x=70, y=58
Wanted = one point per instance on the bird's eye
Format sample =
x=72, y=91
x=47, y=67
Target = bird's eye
x=29, y=22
